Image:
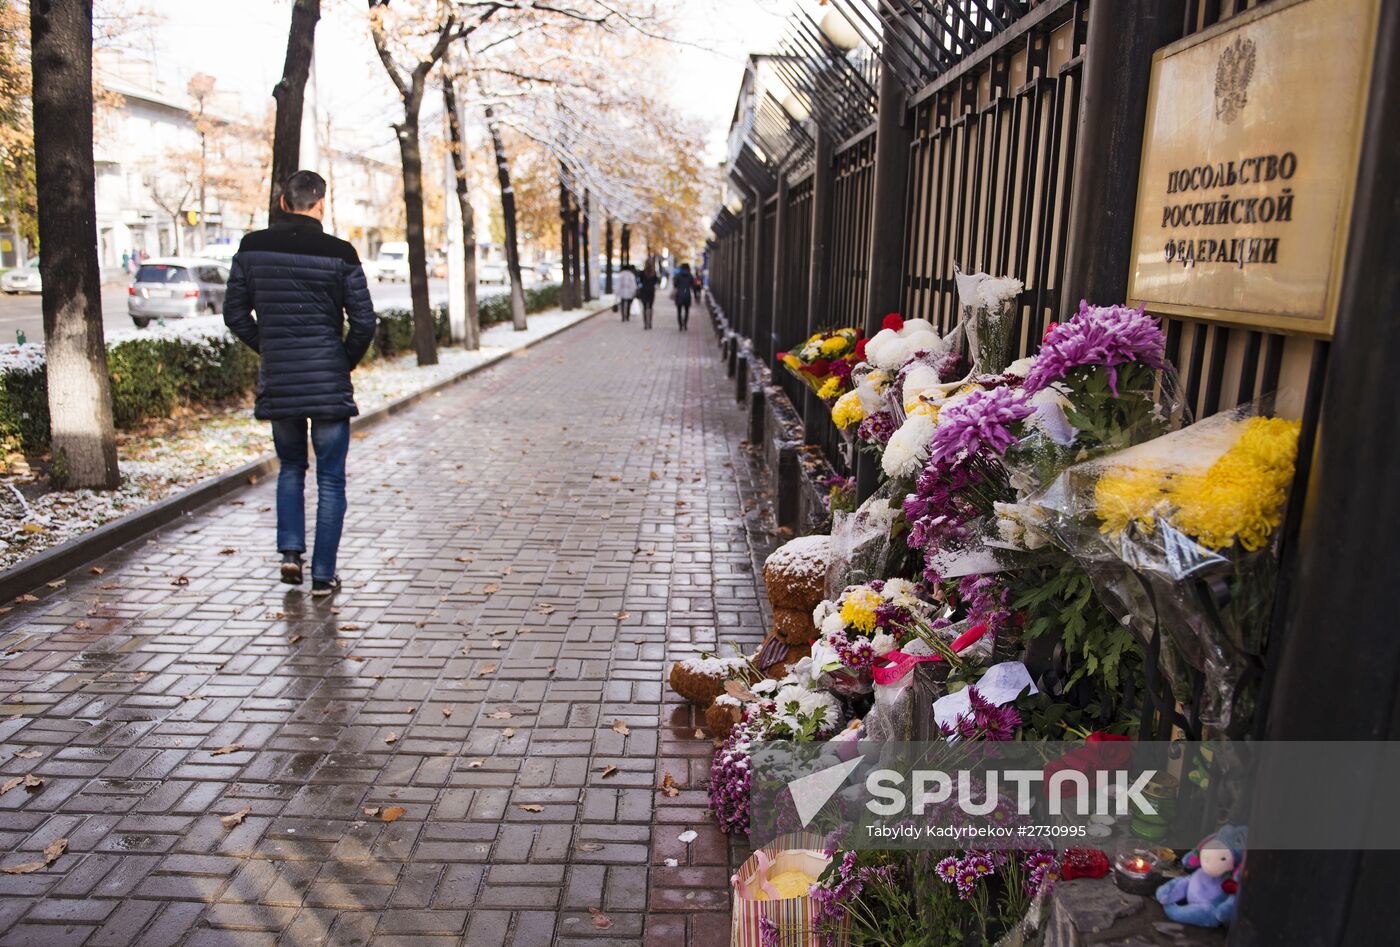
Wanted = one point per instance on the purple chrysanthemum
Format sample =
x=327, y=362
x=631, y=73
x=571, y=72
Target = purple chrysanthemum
x=768, y=933
x=729, y=780
x=984, y=599
x=1098, y=335
x=981, y=422
x=878, y=428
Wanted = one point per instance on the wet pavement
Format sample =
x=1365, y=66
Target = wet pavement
x=434, y=757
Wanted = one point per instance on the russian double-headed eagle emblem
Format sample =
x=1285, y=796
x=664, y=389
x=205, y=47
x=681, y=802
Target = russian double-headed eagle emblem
x=1232, y=74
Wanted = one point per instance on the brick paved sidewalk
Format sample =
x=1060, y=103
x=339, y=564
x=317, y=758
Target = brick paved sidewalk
x=524, y=555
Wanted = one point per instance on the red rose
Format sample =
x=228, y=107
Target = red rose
x=819, y=367
x=1048, y=329
x=860, y=350
x=780, y=356
x=894, y=322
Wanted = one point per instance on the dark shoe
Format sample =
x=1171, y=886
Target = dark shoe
x=320, y=588
x=291, y=568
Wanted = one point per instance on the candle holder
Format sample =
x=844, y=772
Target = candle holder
x=1137, y=871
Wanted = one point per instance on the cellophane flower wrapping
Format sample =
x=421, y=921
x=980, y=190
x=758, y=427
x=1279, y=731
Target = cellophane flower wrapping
x=988, y=313
x=1179, y=535
x=862, y=547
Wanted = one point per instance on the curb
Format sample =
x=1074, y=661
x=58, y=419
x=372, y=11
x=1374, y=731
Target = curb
x=59, y=560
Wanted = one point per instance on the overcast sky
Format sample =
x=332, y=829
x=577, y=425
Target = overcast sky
x=242, y=44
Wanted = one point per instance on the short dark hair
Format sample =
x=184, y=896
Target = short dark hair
x=303, y=190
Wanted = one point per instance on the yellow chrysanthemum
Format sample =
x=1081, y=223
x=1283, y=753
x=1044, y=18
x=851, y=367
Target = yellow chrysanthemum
x=848, y=410
x=1241, y=497
x=858, y=610
x=834, y=346
x=1125, y=495
x=830, y=388
x=792, y=361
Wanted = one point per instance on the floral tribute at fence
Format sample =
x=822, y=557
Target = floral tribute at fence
x=824, y=362
x=1054, y=521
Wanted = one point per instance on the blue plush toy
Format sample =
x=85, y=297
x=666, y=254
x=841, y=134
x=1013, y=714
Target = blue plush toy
x=1206, y=897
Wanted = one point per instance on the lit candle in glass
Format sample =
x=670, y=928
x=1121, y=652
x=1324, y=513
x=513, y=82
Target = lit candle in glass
x=1136, y=871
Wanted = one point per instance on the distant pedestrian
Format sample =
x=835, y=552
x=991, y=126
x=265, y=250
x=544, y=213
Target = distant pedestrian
x=646, y=292
x=626, y=291
x=684, y=287
x=298, y=279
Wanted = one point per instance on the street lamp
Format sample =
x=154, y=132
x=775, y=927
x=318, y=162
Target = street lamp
x=838, y=31
x=795, y=107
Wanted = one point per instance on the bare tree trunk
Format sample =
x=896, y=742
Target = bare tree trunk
x=517, y=284
x=608, y=260
x=566, y=266
x=424, y=328
x=459, y=174
x=626, y=253
x=83, y=440
x=576, y=251
x=587, y=225
x=290, y=92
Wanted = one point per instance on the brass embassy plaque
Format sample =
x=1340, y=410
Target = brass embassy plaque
x=1248, y=166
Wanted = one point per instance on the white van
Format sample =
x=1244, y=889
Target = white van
x=392, y=262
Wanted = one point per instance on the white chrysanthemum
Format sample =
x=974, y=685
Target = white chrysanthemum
x=882, y=644
x=824, y=608
x=925, y=340
x=907, y=450
x=897, y=588
x=809, y=703
x=917, y=325
x=1021, y=367
x=832, y=624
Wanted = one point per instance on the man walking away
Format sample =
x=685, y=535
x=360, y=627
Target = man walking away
x=298, y=279
x=683, y=288
x=626, y=291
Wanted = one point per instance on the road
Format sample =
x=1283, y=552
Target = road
x=24, y=313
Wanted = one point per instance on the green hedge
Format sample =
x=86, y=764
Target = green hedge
x=155, y=373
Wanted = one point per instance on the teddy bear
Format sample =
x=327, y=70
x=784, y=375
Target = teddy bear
x=1206, y=897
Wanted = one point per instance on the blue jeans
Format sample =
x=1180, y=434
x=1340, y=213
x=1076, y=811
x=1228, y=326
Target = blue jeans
x=332, y=442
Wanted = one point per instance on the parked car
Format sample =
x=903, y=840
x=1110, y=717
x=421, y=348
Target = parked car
x=391, y=264
x=23, y=279
x=492, y=271
x=176, y=288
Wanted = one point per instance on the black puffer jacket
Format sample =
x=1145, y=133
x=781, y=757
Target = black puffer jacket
x=298, y=279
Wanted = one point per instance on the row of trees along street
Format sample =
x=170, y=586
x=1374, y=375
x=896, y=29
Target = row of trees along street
x=562, y=92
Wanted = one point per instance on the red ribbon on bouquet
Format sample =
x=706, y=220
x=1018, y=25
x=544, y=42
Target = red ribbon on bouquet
x=890, y=667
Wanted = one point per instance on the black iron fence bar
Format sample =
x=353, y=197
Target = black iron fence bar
x=917, y=13
x=889, y=43
x=821, y=49
x=810, y=83
x=855, y=89
x=1044, y=18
